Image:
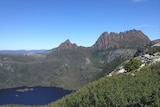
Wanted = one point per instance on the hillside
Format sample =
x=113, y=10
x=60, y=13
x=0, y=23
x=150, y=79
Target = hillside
x=70, y=66
x=123, y=90
x=133, y=87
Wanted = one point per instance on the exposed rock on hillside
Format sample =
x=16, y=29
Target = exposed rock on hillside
x=142, y=50
x=157, y=44
x=129, y=39
x=149, y=48
x=123, y=53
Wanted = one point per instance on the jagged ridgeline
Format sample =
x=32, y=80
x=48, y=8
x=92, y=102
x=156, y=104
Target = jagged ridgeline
x=70, y=66
x=128, y=39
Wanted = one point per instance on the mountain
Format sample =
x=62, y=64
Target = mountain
x=128, y=39
x=71, y=66
x=67, y=45
x=123, y=44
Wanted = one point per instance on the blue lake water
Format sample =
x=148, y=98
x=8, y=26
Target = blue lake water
x=33, y=96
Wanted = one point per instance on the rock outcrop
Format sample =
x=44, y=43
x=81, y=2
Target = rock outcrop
x=129, y=39
x=67, y=45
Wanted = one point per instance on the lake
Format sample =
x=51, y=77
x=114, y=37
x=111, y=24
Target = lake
x=31, y=95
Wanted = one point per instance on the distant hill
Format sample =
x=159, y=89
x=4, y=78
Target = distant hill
x=21, y=52
x=71, y=66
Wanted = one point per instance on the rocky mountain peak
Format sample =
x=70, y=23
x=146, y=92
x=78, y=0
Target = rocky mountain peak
x=67, y=45
x=67, y=42
x=127, y=39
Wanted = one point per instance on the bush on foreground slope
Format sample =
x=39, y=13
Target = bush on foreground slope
x=132, y=64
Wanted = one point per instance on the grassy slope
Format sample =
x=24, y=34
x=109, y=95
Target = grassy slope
x=121, y=90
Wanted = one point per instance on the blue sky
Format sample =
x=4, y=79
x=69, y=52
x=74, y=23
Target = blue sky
x=44, y=24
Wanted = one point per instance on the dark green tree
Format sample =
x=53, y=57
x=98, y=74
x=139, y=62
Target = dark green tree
x=132, y=64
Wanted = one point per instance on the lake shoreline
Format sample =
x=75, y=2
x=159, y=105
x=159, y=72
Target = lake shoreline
x=31, y=86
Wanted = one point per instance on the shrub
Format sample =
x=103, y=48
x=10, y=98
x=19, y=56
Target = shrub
x=132, y=64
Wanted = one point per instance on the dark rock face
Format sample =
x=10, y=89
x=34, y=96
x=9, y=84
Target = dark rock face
x=67, y=45
x=146, y=49
x=142, y=51
x=128, y=39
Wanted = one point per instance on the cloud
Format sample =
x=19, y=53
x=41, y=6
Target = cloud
x=144, y=26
